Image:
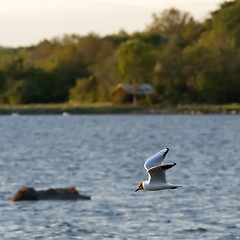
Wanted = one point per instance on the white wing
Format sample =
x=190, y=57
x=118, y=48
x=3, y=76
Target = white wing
x=156, y=159
x=158, y=174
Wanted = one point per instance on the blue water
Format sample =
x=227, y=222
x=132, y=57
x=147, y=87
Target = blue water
x=103, y=156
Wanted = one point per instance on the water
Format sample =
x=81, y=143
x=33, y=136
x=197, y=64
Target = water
x=103, y=156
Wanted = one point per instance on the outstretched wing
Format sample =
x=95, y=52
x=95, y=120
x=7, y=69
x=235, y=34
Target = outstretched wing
x=156, y=159
x=158, y=174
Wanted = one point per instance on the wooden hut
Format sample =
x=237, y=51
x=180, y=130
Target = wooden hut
x=123, y=93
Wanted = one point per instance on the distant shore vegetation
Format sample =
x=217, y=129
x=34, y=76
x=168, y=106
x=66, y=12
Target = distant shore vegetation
x=186, y=62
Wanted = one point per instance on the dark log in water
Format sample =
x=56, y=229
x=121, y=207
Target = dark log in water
x=30, y=194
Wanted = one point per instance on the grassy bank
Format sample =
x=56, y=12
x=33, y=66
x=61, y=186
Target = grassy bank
x=233, y=108
x=109, y=109
x=67, y=108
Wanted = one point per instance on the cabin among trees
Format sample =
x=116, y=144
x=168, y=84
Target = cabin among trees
x=124, y=93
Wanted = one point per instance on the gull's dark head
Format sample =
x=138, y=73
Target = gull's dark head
x=140, y=187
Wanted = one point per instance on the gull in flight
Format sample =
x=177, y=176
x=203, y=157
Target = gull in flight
x=157, y=173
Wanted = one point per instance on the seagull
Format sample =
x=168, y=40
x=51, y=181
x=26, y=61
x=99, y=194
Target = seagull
x=157, y=173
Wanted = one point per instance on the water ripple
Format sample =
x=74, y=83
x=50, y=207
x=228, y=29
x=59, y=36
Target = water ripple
x=103, y=156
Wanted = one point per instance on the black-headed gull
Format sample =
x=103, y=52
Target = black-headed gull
x=157, y=173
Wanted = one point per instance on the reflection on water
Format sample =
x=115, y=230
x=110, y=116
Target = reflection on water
x=103, y=156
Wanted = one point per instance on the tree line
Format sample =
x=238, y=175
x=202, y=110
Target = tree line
x=186, y=61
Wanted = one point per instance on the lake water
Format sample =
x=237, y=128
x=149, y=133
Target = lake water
x=103, y=156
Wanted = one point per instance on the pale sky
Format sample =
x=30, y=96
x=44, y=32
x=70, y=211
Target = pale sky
x=27, y=22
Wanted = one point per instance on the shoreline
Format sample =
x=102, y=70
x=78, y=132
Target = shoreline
x=66, y=109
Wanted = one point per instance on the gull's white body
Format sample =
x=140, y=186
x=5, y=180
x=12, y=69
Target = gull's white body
x=157, y=173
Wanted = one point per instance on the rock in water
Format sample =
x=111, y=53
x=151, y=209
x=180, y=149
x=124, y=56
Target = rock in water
x=25, y=193
x=69, y=193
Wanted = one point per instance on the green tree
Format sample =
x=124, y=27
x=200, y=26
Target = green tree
x=135, y=63
x=170, y=21
x=212, y=64
x=196, y=58
x=84, y=90
x=177, y=25
x=65, y=66
x=13, y=70
x=38, y=87
x=169, y=79
x=89, y=46
x=227, y=18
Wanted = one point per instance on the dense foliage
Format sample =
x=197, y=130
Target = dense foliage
x=185, y=61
